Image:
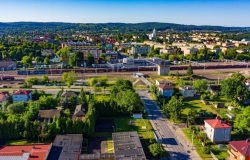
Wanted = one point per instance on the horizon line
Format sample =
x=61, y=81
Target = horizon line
x=125, y=23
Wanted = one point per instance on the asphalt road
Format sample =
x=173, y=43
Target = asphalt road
x=157, y=119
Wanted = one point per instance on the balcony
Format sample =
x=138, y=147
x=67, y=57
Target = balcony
x=231, y=154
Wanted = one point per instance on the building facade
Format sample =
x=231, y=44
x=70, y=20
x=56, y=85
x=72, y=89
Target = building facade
x=218, y=131
x=140, y=50
x=22, y=96
x=187, y=91
x=166, y=90
x=239, y=150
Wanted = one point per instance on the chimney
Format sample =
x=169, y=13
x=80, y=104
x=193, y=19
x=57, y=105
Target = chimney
x=33, y=146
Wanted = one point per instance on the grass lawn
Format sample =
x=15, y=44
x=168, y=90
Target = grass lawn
x=197, y=144
x=110, y=146
x=24, y=142
x=220, y=153
x=142, y=126
x=195, y=104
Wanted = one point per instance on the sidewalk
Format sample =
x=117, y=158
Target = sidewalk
x=184, y=141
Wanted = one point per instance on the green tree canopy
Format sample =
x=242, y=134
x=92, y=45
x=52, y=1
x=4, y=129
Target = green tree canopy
x=200, y=84
x=190, y=70
x=69, y=77
x=174, y=108
x=234, y=88
x=156, y=149
x=27, y=60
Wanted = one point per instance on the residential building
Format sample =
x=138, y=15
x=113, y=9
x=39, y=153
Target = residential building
x=112, y=54
x=128, y=60
x=127, y=145
x=55, y=59
x=190, y=50
x=248, y=84
x=66, y=147
x=239, y=150
x=22, y=95
x=46, y=52
x=214, y=89
x=217, y=130
x=48, y=115
x=158, y=82
x=7, y=64
x=140, y=50
x=152, y=36
x=25, y=152
x=80, y=112
x=167, y=50
x=166, y=90
x=3, y=97
x=187, y=91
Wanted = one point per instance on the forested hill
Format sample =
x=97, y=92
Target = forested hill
x=110, y=27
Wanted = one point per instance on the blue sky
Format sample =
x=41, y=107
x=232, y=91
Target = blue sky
x=197, y=12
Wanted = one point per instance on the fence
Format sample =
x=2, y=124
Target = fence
x=214, y=157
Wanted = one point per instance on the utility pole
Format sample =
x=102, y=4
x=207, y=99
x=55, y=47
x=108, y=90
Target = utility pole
x=192, y=140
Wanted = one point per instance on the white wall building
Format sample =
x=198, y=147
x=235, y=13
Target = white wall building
x=128, y=60
x=142, y=50
x=22, y=96
x=152, y=36
x=187, y=91
x=218, y=130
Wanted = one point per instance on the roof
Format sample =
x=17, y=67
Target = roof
x=187, y=87
x=25, y=92
x=79, y=111
x=24, y=152
x=66, y=147
x=165, y=86
x=215, y=87
x=217, y=123
x=127, y=145
x=48, y=113
x=241, y=146
x=3, y=96
x=69, y=93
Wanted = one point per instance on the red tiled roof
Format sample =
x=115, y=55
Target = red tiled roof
x=3, y=96
x=242, y=146
x=217, y=123
x=39, y=152
x=22, y=92
x=165, y=86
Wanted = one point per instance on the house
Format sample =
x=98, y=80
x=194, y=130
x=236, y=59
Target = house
x=7, y=64
x=166, y=90
x=25, y=152
x=69, y=93
x=46, y=52
x=187, y=91
x=217, y=130
x=140, y=50
x=79, y=113
x=248, y=84
x=66, y=147
x=158, y=82
x=3, y=97
x=22, y=95
x=219, y=105
x=55, y=59
x=214, y=89
x=48, y=115
x=127, y=145
x=239, y=150
x=230, y=116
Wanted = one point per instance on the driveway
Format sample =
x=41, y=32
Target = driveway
x=175, y=147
